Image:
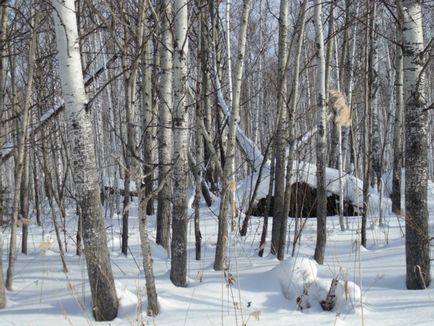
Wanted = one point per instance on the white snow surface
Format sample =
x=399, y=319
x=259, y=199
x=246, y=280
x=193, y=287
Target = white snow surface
x=253, y=291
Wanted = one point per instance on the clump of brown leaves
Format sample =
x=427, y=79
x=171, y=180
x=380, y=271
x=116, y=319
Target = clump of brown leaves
x=338, y=103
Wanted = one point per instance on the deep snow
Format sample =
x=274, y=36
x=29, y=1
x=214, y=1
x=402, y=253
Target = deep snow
x=254, y=291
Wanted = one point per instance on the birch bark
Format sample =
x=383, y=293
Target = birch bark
x=130, y=77
x=150, y=114
x=164, y=133
x=373, y=98
x=397, y=130
x=3, y=69
x=335, y=131
x=321, y=236
x=3, y=29
x=281, y=142
x=417, y=242
x=178, y=271
x=229, y=182
x=202, y=103
x=104, y=299
x=295, y=94
x=367, y=148
x=3, y=300
x=136, y=168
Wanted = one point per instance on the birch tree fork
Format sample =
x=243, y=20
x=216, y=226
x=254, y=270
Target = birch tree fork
x=417, y=247
x=104, y=300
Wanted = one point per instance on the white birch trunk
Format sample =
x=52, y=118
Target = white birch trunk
x=136, y=167
x=3, y=299
x=417, y=242
x=81, y=139
x=294, y=102
x=229, y=50
x=202, y=103
x=129, y=153
x=3, y=28
x=229, y=182
x=349, y=73
x=3, y=70
x=164, y=133
x=397, y=131
x=178, y=271
x=374, y=88
x=335, y=130
x=281, y=143
x=150, y=116
x=321, y=236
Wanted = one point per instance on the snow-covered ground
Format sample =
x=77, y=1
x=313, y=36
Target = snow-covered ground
x=254, y=291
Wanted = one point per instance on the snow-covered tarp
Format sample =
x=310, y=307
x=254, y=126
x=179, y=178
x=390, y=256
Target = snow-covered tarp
x=116, y=183
x=306, y=172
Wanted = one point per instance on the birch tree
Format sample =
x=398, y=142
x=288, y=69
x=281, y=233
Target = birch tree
x=417, y=242
x=20, y=157
x=397, y=129
x=229, y=181
x=3, y=70
x=144, y=193
x=295, y=94
x=24, y=199
x=281, y=142
x=81, y=139
x=178, y=271
x=321, y=236
x=3, y=28
x=374, y=84
x=335, y=131
x=202, y=103
x=150, y=112
x=134, y=155
x=2, y=284
x=164, y=133
x=366, y=148
x=130, y=79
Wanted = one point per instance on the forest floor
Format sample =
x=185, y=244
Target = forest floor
x=258, y=291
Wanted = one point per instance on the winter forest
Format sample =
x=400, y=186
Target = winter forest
x=192, y=162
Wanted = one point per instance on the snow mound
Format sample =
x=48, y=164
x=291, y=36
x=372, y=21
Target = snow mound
x=299, y=282
x=295, y=275
x=348, y=295
x=129, y=302
x=126, y=297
